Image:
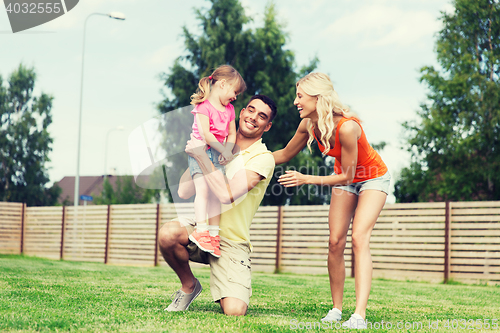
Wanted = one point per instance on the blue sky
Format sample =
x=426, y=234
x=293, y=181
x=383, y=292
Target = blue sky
x=372, y=50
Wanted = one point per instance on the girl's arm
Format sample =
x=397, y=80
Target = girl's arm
x=294, y=146
x=348, y=136
x=204, y=129
x=227, y=154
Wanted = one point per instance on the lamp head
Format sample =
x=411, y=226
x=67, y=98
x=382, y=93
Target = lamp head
x=117, y=15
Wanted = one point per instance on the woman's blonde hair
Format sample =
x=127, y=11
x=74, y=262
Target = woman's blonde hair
x=328, y=105
x=223, y=72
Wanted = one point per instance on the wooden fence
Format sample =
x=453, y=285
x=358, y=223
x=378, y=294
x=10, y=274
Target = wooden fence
x=418, y=241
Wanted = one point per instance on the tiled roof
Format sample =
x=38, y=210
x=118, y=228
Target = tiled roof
x=89, y=185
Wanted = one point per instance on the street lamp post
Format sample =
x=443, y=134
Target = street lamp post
x=114, y=15
x=118, y=128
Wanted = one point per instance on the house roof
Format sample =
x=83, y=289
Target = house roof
x=89, y=185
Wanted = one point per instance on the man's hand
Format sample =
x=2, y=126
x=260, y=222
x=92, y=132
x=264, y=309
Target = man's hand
x=195, y=147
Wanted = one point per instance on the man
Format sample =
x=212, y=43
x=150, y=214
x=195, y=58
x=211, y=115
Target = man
x=240, y=192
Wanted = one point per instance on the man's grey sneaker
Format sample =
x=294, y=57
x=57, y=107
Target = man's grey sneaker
x=356, y=321
x=333, y=315
x=181, y=300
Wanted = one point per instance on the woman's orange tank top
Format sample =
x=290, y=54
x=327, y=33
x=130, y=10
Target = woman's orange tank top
x=370, y=164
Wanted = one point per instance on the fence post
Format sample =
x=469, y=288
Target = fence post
x=158, y=219
x=23, y=226
x=447, y=241
x=63, y=227
x=106, y=249
x=279, y=230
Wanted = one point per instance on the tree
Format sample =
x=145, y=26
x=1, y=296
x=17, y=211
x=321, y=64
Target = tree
x=454, y=146
x=25, y=142
x=126, y=191
x=268, y=68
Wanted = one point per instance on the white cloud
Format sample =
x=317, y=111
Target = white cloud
x=164, y=56
x=381, y=25
x=75, y=18
x=448, y=8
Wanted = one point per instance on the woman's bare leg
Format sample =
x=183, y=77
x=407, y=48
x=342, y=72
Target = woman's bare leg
x=342, y=207
x=370, y=204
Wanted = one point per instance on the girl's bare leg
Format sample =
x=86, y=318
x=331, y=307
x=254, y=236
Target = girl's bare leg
x=214, y=209
x=201, y=199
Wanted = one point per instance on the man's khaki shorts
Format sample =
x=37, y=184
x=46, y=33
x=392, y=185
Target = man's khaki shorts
x=230, y=275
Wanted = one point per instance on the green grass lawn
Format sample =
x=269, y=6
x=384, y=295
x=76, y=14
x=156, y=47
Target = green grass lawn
x=47, y=295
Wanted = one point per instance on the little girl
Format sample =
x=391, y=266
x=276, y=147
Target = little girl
x=214, y=123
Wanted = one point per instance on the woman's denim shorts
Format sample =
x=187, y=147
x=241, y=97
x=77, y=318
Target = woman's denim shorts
x=380, y=183
x=213, y=155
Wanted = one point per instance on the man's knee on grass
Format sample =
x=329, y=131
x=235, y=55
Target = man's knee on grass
x=233, y=306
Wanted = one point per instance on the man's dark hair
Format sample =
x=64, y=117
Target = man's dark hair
x=269, y=102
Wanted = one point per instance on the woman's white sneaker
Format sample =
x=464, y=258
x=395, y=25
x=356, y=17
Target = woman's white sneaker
x=333, y=315
x=356, y=321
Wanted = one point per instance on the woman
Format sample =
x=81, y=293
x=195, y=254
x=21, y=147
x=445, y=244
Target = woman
x=360, y=185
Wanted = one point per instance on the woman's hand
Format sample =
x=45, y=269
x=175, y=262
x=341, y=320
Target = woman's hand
x=292, y=178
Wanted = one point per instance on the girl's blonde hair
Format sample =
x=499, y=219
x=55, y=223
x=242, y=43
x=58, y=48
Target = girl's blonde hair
x=327, y=106
x=226, y=72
